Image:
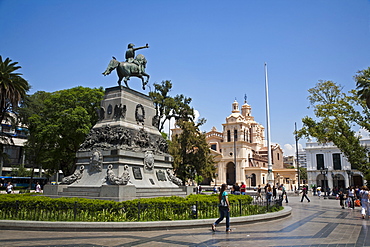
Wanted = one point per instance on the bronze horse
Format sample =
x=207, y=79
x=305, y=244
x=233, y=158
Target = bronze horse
x=126, y=70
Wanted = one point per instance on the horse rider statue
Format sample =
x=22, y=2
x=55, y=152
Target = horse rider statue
x=133, y=66
x=130, y=55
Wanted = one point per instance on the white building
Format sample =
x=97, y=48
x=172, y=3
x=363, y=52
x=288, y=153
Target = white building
x=329, y=168
x=292, y=159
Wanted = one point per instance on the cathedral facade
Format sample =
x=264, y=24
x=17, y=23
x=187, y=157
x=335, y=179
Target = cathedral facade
x=241, y=154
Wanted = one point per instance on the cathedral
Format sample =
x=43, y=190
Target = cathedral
x=241, y=154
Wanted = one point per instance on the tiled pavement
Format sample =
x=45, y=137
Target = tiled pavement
x=318, y=223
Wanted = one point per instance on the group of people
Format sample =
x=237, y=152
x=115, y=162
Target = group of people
x=10, y=188
x=356, y=197
x=239, y=190
x=224, y=204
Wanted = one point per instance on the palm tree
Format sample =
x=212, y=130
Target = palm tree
x=13, y=87
x=363, y=85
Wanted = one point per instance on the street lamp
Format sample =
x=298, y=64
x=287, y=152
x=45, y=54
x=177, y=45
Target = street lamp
x=324, y=171
x=335, y=178
x=216, y=175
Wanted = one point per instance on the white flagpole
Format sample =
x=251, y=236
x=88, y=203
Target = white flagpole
x=270, y=175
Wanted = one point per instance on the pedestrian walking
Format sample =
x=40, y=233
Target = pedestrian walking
x=268, y=193
x=351, y=195
x=364, y=196
x=274, y=192
x=38, y=188
x=224, y=209
x=259, y=193
x=341, y=199
x=283, y=192
x=318, y=192
x=304, y=194
x=243, y=188
x=9, y=188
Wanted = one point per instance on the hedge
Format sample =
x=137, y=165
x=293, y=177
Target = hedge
x=38, y=207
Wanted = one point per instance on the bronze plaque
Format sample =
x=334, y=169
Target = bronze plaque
x=137, y=173
x=161, y=176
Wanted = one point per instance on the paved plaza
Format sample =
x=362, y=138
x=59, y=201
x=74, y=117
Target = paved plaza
x=318, y=223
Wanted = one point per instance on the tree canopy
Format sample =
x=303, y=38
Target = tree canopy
x=336, y=114
x=363, y=85
x=191, y=152
x=189, y=148
x=168, y=107
x=13, y=87
x=58, y=123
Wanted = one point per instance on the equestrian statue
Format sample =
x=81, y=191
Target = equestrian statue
x=133, y=66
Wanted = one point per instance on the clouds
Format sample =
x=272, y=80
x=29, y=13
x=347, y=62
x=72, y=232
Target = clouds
x=290, y=149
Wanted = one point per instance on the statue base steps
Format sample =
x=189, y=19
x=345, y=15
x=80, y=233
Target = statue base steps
x=115, y=192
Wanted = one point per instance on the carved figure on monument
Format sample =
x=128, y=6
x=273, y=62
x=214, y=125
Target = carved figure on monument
x=120, y=111
x=142, y=139
x=131, y=67
x=119, y=137
x=96, y=161
x=101, y=113
x=173, y=178
x=77, y=175
x=149, y=160
x=140, y=114
x=113, y=179
x=155, y=121
x=162, y=145
x=126, y=138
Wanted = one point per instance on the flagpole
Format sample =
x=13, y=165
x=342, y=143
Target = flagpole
x=270, y=175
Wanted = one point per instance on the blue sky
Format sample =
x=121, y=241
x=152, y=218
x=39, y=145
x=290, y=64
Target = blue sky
x=212, y=51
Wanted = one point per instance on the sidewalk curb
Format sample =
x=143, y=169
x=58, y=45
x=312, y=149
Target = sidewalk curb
x=133, y=226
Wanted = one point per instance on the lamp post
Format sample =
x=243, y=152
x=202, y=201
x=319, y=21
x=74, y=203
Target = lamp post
x=335, y=178
x=324, y=171
x=216, y=175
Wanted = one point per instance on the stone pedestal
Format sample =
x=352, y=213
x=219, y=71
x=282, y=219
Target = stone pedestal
x=124, y=156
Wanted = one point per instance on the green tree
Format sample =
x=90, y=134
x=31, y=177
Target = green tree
x=303, y=173
x=20, y=171
x=13, y=87
x=335, y=115
x=168, y=107
x=363, y=85
x=58, y=123
x=191, y=152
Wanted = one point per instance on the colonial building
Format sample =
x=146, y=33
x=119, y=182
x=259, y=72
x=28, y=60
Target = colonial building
x=14, y=150
x=329, y=168
x=241, y=154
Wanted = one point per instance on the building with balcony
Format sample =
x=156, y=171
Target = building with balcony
x=329, y=168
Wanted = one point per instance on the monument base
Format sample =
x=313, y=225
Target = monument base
x=125, y=156
x=114, y=192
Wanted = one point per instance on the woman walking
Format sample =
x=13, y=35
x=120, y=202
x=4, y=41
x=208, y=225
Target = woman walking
x=364, y=196
x=351, y=195
x=224, y=209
